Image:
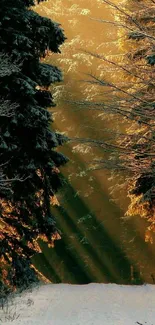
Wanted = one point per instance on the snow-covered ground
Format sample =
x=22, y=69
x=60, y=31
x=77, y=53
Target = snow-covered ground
x=92, y=304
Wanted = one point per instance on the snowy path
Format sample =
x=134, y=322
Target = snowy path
x=92, y=304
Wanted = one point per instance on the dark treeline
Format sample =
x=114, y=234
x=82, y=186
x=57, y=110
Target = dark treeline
x=29, y=174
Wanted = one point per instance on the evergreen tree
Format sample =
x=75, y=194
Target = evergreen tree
x=29, y=161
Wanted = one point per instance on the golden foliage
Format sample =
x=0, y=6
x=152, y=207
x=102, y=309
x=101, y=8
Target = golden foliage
x=54, y=201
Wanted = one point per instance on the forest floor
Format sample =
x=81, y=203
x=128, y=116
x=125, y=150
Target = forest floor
x=92, y=304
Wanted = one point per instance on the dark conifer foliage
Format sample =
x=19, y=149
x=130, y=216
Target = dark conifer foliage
x=27, y=143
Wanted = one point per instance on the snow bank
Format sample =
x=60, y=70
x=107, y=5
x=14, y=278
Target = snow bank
x=92, y=304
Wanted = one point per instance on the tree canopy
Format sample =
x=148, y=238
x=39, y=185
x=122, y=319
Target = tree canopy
x=129, y=143
x=29, y=161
